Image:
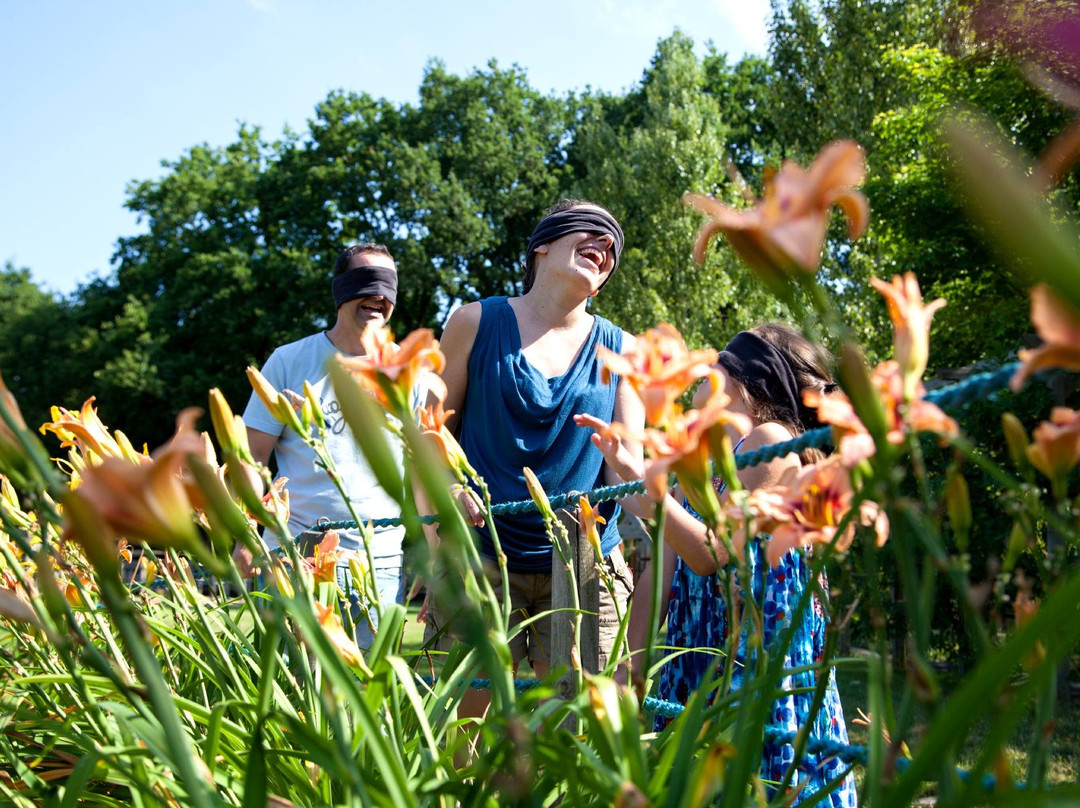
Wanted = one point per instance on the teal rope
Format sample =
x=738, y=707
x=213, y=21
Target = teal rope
x=954, y=397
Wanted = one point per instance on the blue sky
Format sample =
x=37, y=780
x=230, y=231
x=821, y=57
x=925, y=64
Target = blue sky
x=95, y=95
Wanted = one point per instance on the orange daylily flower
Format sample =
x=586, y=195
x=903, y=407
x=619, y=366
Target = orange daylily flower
x=589, y=519
x=901, y=415
x=1058, y=323
x=432, y=420
x=346, y=646
x=783, y=234
x=911, y=325
x=323, y=563
x=659, y=368
x=86, y=431
x=389, y=371
x=146, y=501
x=810, y=509
x=1055, y=444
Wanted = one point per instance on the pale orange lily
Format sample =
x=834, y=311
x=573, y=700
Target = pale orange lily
x=15, y=606
x=1055, y=444
x=589, y=519
x=146, y=501
x=811, y=508
x=911, y=325
x=86, y=431
x=1058, y=323
x=784, y=232
x=432, y=420
x=659, y=368
x=389, y=371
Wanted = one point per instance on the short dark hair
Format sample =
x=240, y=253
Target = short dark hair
x=358, y=249
x=568, y=203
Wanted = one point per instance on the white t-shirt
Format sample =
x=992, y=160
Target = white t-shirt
x=312, y=495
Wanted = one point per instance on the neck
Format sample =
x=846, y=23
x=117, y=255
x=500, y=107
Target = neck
x=346, y=338
x=553, y=310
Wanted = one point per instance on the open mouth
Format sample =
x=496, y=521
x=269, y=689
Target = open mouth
x=374, y=307
x=593, y=255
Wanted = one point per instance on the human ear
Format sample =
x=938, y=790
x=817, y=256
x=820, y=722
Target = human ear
x=541, y=249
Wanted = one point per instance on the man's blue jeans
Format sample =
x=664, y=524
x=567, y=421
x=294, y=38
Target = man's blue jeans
x=388, y=583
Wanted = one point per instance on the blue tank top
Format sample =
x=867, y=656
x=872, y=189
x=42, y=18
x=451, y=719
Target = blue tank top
x=514, y=417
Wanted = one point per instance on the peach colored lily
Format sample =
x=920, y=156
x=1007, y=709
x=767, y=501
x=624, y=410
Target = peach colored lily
x=683, y=448
x=811, y=508
x=783, y=234
x=1055, y=444
x=1024, y=609
x=1058, y=323
x=659, y=368
x=911, y=325
x=389, y=371
x=147, y=501
x=86, y=432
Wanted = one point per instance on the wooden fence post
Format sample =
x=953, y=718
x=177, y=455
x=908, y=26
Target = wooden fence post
x=583, y=563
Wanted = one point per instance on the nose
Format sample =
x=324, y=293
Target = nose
x=606, y=240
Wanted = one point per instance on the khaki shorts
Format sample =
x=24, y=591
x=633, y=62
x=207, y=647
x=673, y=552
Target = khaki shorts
x=530, y=594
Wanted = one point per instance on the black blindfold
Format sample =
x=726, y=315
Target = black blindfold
x=365, y=280
x=758, y=366
x=578, y=220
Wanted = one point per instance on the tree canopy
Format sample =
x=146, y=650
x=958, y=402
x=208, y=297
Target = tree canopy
x=239, y=240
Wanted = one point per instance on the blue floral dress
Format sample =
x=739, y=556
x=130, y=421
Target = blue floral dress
x=698, y=618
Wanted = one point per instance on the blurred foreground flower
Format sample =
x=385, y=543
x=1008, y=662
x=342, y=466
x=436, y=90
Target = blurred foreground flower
x=1025, y=607
x=902, y=415
x=346, y=647
x=911, y=326
x=659, y=368
x=1058, y=323
x=13, y=459
x=146, y=501
x=1055, y=446
x=389, y=371
x=783, y=234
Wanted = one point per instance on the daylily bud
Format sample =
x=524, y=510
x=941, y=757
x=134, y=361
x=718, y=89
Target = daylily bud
x=316, y=406
x=958, y=502
x=276, y=403
x=13, y=459
x=1016, y=438
x=226, y=520
x=539, y=496
x=229, y=428
x=1018, y=542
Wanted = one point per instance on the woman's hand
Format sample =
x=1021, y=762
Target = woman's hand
x=618, y=457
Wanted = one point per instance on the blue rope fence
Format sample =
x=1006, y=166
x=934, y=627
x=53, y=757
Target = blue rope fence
x=954, y=397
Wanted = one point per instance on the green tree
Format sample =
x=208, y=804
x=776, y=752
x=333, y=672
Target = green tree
x=638, y=154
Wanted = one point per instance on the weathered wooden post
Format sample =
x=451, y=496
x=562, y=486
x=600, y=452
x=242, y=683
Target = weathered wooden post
x=583, y=564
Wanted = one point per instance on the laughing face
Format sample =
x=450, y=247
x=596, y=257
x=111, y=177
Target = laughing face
x=373, y=310
x=590, y=256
